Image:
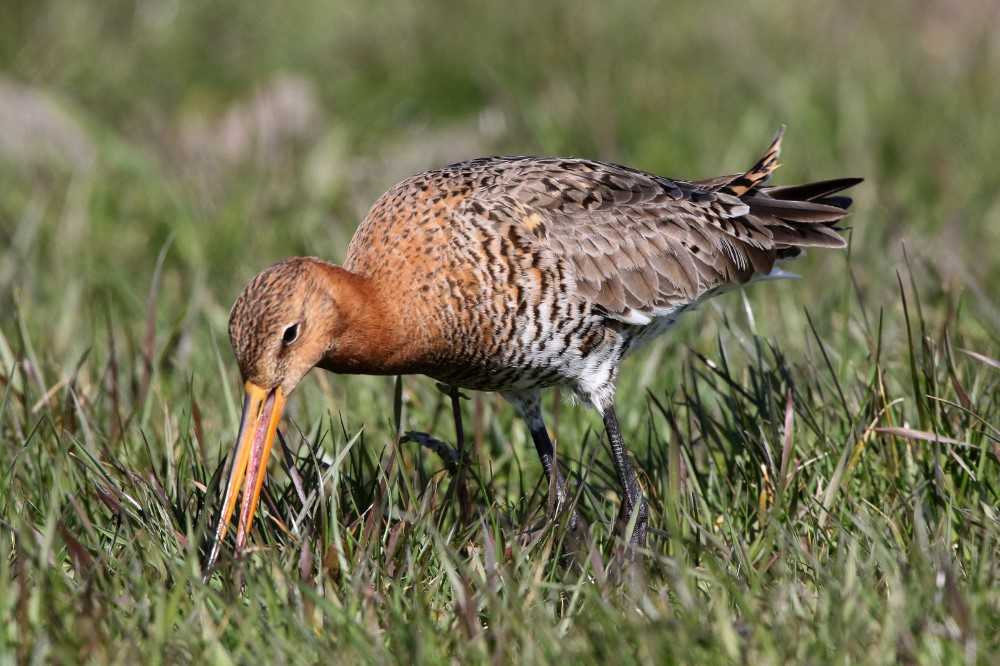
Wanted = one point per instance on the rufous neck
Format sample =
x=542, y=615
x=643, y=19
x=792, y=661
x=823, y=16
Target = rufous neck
x=366, y=337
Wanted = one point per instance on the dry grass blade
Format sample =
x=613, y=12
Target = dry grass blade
x=149, y=339
x=910, y=433
x=993, y=363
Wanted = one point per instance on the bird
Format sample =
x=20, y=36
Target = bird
x=513, y=275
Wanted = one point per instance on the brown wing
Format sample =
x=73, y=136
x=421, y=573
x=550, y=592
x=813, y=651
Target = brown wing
x=641, y=245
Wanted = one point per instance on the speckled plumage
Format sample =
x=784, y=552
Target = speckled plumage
x=513, y=274
x=531, y=272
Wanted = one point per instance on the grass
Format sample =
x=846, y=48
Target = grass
x=821, y=455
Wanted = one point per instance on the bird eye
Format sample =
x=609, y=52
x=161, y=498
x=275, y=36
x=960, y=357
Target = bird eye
x=290, y=334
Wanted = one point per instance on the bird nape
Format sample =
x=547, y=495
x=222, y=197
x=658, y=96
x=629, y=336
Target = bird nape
x=514, y=274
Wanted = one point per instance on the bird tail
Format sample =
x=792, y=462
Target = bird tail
x=796, y=215
x=803, y=215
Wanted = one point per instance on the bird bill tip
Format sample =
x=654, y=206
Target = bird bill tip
x=258, y=425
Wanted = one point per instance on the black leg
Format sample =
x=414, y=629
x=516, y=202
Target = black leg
x=633, y=500
x=530, y=406
x=464, y=500
x=557, y=485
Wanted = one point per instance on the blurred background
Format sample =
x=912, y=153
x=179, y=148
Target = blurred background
x=220, y=137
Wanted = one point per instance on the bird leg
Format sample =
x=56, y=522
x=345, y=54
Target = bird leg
x=464, y=501
x=529, y=404
x=633, y=501
x=448, y=455
x=557, y=484
x=456, y=460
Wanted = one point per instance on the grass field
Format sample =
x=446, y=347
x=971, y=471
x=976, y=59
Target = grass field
x=822, y=456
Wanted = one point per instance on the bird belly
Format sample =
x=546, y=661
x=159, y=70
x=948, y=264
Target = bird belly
x=537, y=355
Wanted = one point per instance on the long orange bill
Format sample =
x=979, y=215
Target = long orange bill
x=258, y=425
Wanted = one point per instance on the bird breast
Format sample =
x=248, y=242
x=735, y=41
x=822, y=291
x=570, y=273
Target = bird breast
x=508, y=315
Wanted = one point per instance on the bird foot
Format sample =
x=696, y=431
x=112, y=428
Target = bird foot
x=633, y=524
x=448, y=454
x=570, y=541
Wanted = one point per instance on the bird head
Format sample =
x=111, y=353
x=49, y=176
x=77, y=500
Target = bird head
x=280, y=327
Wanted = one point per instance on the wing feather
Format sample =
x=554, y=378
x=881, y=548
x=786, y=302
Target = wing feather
x=639, y=245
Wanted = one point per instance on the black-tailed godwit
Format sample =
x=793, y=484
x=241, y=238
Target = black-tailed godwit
x=514, y=274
